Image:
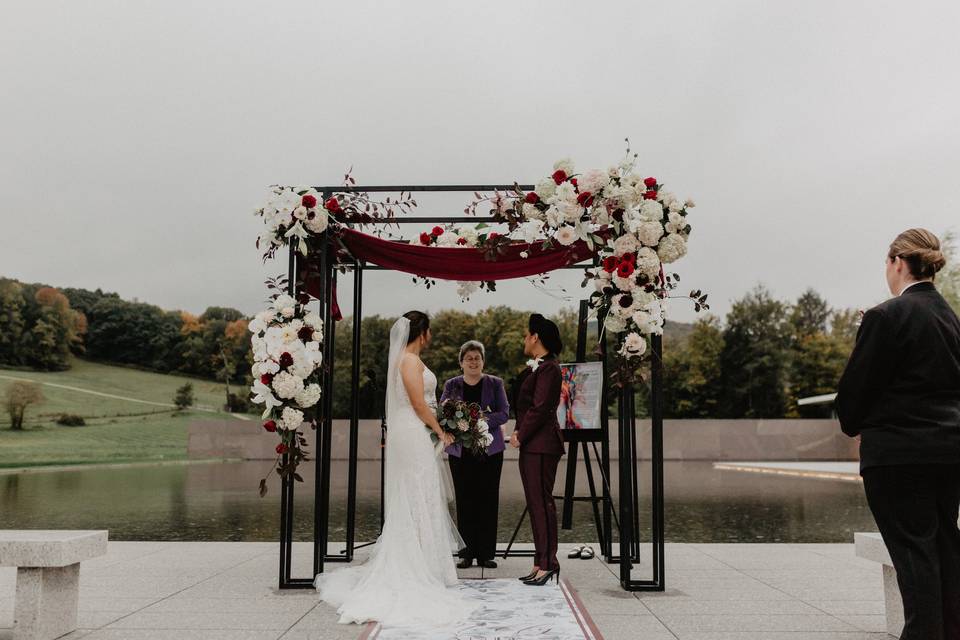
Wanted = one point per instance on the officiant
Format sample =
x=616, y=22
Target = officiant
x=476, y=477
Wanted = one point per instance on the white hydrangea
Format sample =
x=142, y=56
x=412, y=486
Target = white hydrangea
x=546, y=188
x=283, y=301
x=291, y=419
x=593, y=181
x=648, y=262
x=531, y=212
x=634, y=345
x=566, y=192
x=314, y=321
x=465, y=289
x=667, y=198
x=448, y=239
x=566, y=236
x=554, y=217
x=651, y=210
x=624, y=284
x=672, y=248
x=470, y=234
x=318, y=223
x=571, y=210
x=650, y=232
x=565, y=165
x=617, y=308
x=286, y=385
x=614, y=324
x=627, y=243
x=309, y=396
x=649, y=318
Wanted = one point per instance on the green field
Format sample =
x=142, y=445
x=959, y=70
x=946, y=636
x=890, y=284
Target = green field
x=118, y=429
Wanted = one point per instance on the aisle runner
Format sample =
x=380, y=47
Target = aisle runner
x=510, y=610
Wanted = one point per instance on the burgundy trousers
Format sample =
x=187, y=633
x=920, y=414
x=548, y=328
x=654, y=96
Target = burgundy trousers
x=538, y=471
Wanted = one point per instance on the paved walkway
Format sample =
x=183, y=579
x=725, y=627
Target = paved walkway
x=227, y=591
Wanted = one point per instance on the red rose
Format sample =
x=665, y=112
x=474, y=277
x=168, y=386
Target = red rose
x=286, y=360
x=532, y=198
x=625, y=270
x=266, y=378
x=650, y=183
x=559, y=176
x=585, y=199
x=461, y=241
x=650, y=195
x=425, y=238
x=332, y=205
x=270, y=426
x=610, y=264
x=493, y=234
x=630, y=257
x=437, y=231
x=282, y=449
x=305, y=333
x=309, y=201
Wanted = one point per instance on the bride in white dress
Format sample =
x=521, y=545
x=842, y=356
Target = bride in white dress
x=408, y=578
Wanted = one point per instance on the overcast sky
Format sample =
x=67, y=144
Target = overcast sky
x=138, y=137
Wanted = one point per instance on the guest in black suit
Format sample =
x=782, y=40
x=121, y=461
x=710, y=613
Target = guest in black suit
x=900, y=395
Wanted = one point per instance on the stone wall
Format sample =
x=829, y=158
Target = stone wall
x=683, y=440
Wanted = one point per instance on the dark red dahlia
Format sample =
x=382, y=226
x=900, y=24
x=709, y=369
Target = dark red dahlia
x=309, y=201
x=286, y=360
x=559, y=176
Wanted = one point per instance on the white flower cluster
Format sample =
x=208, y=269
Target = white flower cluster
x=286, y=353
x=290, y=216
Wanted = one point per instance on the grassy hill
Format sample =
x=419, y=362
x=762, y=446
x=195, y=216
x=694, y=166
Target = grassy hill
x=124, y=409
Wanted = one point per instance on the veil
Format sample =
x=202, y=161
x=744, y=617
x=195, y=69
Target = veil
x=399, y=336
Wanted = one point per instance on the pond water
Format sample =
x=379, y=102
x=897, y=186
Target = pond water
x=219, y=501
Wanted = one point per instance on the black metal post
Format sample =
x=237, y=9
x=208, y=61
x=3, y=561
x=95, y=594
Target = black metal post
x=657, y=505
x=354, y=409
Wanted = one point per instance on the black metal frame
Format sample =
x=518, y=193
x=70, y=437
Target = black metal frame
x=628, y=523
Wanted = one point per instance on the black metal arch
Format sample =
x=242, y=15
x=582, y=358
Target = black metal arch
x=628, y=521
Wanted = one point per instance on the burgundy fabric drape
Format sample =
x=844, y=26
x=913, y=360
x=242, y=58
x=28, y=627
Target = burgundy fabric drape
x=445, y=263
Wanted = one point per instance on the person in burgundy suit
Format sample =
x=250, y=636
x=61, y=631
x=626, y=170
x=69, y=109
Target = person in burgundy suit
x=537, y=435
x=476, y=478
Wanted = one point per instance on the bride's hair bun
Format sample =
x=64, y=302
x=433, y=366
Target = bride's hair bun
x=419, y=323
x=921, y=251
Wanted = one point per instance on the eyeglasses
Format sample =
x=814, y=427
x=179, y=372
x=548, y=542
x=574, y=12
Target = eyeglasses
x=473, y=359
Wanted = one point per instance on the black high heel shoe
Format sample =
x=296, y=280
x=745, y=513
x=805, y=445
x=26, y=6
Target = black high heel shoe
x=529, y=576
x=544, y=579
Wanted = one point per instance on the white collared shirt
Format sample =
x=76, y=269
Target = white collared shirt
x=910, y=285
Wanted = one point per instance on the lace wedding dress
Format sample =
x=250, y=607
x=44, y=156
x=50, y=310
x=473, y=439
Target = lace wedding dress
x=408, y=577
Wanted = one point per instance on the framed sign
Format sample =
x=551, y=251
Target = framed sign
x=580, y=396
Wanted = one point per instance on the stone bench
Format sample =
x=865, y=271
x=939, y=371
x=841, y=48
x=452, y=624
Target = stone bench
x=48, y=578
x=870, y=546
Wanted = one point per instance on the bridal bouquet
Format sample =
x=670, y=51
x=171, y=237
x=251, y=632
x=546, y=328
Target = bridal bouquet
x=466, y=422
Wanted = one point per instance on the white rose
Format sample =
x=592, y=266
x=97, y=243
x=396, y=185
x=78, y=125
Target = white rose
x=571, y=210
x=291, y=419
x=314, y=321
x=530, y=212
x=286, y=201
x=593, y=181
x=487, y=440
x=614, y=324
x=672, y=248
x=650, y=232
x=287, y=312
x=666, y=198
x=649, y=319
x=676, y=205
x=286, y=385
x=565, y=165
x=466, y=289
x=288, y=333
x=689, y=203
x=634, y=345
x=566, y=236
x=283, y=301
x=626, y=243
x=677, y=222
x=546, y=188
x=470, y=234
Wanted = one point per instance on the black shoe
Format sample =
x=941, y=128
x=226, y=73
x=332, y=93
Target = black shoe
x=529, y=576
x=465, y=563
x=544, y=579
x=487, y=564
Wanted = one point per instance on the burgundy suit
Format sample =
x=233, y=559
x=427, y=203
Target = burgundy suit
x=541, y=446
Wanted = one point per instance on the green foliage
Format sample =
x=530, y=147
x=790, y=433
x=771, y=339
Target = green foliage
x=38, y=327
x=184, y=397
x=948, y=280
x=71, y=420
x=693, y=386
x=19, y=396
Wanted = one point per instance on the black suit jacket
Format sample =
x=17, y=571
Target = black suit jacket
x=901, y=389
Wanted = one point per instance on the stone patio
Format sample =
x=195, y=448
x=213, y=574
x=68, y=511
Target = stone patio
x=227, y=591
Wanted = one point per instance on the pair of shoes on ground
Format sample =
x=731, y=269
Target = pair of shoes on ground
x=584, y=553
x=466, y=563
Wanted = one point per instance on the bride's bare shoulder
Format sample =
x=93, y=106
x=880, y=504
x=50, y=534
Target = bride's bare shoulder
x=410, y=360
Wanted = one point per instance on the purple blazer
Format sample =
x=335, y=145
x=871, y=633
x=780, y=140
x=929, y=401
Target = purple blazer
x=493, y=401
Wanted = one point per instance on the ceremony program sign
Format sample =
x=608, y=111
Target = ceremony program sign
x=580, y=395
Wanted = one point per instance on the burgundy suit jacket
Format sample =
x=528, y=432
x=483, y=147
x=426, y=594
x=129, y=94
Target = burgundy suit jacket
x=537, y=400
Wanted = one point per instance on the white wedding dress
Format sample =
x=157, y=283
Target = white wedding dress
x=408, y=578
